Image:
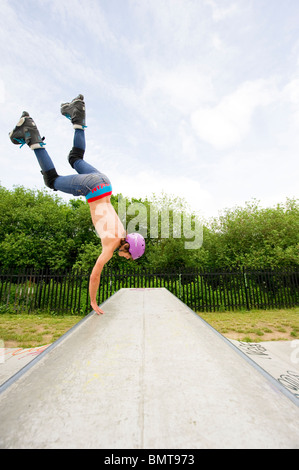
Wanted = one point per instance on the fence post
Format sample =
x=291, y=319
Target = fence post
x=246, y=289
x=180, y=285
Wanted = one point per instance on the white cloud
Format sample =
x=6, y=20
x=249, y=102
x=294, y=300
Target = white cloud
x=146, y=183
x=290, y=100
x=227, y=123
x=78, y=16
x=184, y=87
x=174, y=24
x=222, y=12
x=189, y=147
x=291, y=91
x=2, y=91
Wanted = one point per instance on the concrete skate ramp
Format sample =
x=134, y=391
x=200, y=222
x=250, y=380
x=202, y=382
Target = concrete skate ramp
x=148, y=374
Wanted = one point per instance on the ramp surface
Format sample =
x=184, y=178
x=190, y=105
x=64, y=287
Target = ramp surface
x=147, y=374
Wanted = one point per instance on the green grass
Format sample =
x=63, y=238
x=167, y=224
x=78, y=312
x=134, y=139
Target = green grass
x=256, y=325
x=28, y=331
x=31, y=330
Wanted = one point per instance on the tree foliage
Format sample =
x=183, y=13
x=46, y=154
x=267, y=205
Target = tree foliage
x=252, y=236
x=40, y=230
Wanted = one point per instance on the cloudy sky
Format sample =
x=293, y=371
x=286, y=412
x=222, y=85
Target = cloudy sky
x=196, y=98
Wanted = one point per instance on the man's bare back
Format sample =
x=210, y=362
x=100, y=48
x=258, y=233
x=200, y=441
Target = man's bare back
x=111, y=231
x=105, y=220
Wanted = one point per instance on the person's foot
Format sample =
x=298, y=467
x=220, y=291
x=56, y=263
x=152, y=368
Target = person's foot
x=75, y=111
x=26, y=132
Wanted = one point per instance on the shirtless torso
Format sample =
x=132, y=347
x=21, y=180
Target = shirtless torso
x=111, y=231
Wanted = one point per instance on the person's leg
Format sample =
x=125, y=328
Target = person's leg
x=96, y=181
x=75, y=112
x=77, y=153
x=77, y=184
x=80, y=184
x=46, y=164
x=102, y=184
x=51, y=178
x=26, y=132
x=88, y=178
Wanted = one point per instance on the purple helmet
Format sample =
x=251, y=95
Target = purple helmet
x=137, y=245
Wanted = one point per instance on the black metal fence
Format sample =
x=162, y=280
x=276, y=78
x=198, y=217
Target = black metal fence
x=59, y=293
x=29, y=290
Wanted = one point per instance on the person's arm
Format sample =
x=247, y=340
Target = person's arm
x=95, y=277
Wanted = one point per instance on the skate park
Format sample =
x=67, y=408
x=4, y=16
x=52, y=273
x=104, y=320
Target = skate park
x=148, y=374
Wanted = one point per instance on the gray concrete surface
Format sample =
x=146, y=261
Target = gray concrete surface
x=279, y=358
x=12, y=360
x=148, y=374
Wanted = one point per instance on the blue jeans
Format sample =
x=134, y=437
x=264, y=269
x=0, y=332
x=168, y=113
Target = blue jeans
x=88, y=177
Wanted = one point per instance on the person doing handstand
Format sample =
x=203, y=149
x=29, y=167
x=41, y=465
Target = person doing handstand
x=89, y=182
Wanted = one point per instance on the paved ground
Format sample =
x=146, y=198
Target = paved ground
x=14, y=359
x=279, y=358
x=149, y=374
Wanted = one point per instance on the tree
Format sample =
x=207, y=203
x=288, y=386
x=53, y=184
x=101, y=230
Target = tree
x=40, y=230
x=252, y=236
